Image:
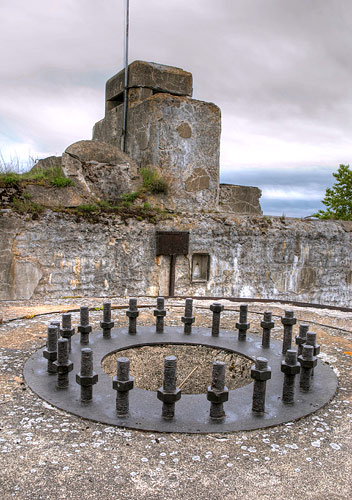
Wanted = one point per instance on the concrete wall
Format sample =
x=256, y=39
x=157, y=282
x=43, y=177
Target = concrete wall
x=249, y=257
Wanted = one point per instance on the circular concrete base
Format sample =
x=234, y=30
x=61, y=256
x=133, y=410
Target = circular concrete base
x=192, y=411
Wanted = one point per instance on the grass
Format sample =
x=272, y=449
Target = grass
x=152, y=181
x=26, y=206
x=10, y=174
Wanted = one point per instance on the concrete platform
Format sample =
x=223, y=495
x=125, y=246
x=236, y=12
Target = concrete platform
x=46, y=453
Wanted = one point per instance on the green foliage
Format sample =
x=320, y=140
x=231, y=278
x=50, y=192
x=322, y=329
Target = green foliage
x=26, y=206
x=152, y=181
x=61, y=182
x=129, y=198
x=54, y=176
x=338, y=199
x=90, y=207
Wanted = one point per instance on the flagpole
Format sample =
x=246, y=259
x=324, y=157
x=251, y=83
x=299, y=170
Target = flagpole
x=125, y=92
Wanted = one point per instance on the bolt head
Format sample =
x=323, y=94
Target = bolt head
x=217, y=397
x=261, y=375
x=216, y=308
x=168, y=397
x=290, y=369
x=86, y=380
x=50, y=355
x=122, y=385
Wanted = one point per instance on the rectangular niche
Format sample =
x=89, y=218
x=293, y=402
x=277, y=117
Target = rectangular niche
x=200, y=267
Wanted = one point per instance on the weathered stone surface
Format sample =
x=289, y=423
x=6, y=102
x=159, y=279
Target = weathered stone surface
x=151, y=76
x=46, y=163
x=70, y=196
x=239, y=199
x=250, y=256
x=100, y=168
x=189, y=164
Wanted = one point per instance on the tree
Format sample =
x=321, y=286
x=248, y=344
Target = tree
x=338, y=199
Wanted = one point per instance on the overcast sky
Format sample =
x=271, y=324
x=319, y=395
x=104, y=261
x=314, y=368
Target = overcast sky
x=280, y=70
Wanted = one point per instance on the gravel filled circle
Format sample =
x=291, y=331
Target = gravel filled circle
x=147, y=362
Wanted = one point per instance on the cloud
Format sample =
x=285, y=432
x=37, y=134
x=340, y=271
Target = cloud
x=279, y=70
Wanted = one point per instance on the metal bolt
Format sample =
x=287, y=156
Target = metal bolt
x=86, y=378
x=84, y=328
x=132, y=313
x=288, y=321
x=57, y=324
x=301, y=337
x=290, y=368
x=261, y=372
x=107, y=324
x=169, y=393
x=67, y=331
x=217, y=309
x=122, y=383
x=267, y=324
x=63, y=364
x=308, y=361
x=312, y=340
x=50, y=352
x=218, y=393
x=160, y=313
x=242, y=326
x=188, y=319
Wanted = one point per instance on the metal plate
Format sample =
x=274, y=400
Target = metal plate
x=192, y=411
x=172, y=242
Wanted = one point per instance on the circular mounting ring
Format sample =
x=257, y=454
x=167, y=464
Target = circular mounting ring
x=192, y=411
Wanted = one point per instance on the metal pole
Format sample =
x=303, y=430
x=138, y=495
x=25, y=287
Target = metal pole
x=125, y=92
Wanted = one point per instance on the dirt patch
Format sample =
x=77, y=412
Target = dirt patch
x=147, y=366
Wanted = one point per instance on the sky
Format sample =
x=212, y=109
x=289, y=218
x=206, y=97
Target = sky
x=280, y=70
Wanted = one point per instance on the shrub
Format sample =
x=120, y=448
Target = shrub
x=152, y=181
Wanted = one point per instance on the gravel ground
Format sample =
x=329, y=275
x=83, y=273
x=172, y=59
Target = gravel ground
x=46, y=453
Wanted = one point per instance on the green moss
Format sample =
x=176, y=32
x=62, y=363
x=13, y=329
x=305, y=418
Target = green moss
x=61, y=182
x=88, y=208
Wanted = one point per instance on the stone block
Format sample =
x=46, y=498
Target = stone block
x=150, y=76
x=239, y=199
x=100, y=168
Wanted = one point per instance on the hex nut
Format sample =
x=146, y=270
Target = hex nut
x=261, y=375
x=242, y=326
x=107, y=325
x=288, y=321
x=122, y=385
x=307, y=363
x=50, y=355
x=63, y=368
x=300, y=340
x=217, y=308
x=84, y=328
x=158, y=312
x=290, y=369
x=132, y=314
x=188, y=320
x=218, y=397
x=67, y=333
x=267, y=324
x=316, y=349
x=86, y=380
x=168, y=397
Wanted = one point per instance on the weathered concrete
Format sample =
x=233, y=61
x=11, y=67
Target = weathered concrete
x=62, y=456
x=100, y=168
x=250, y=256
x=239, y=199
x=181, y=137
